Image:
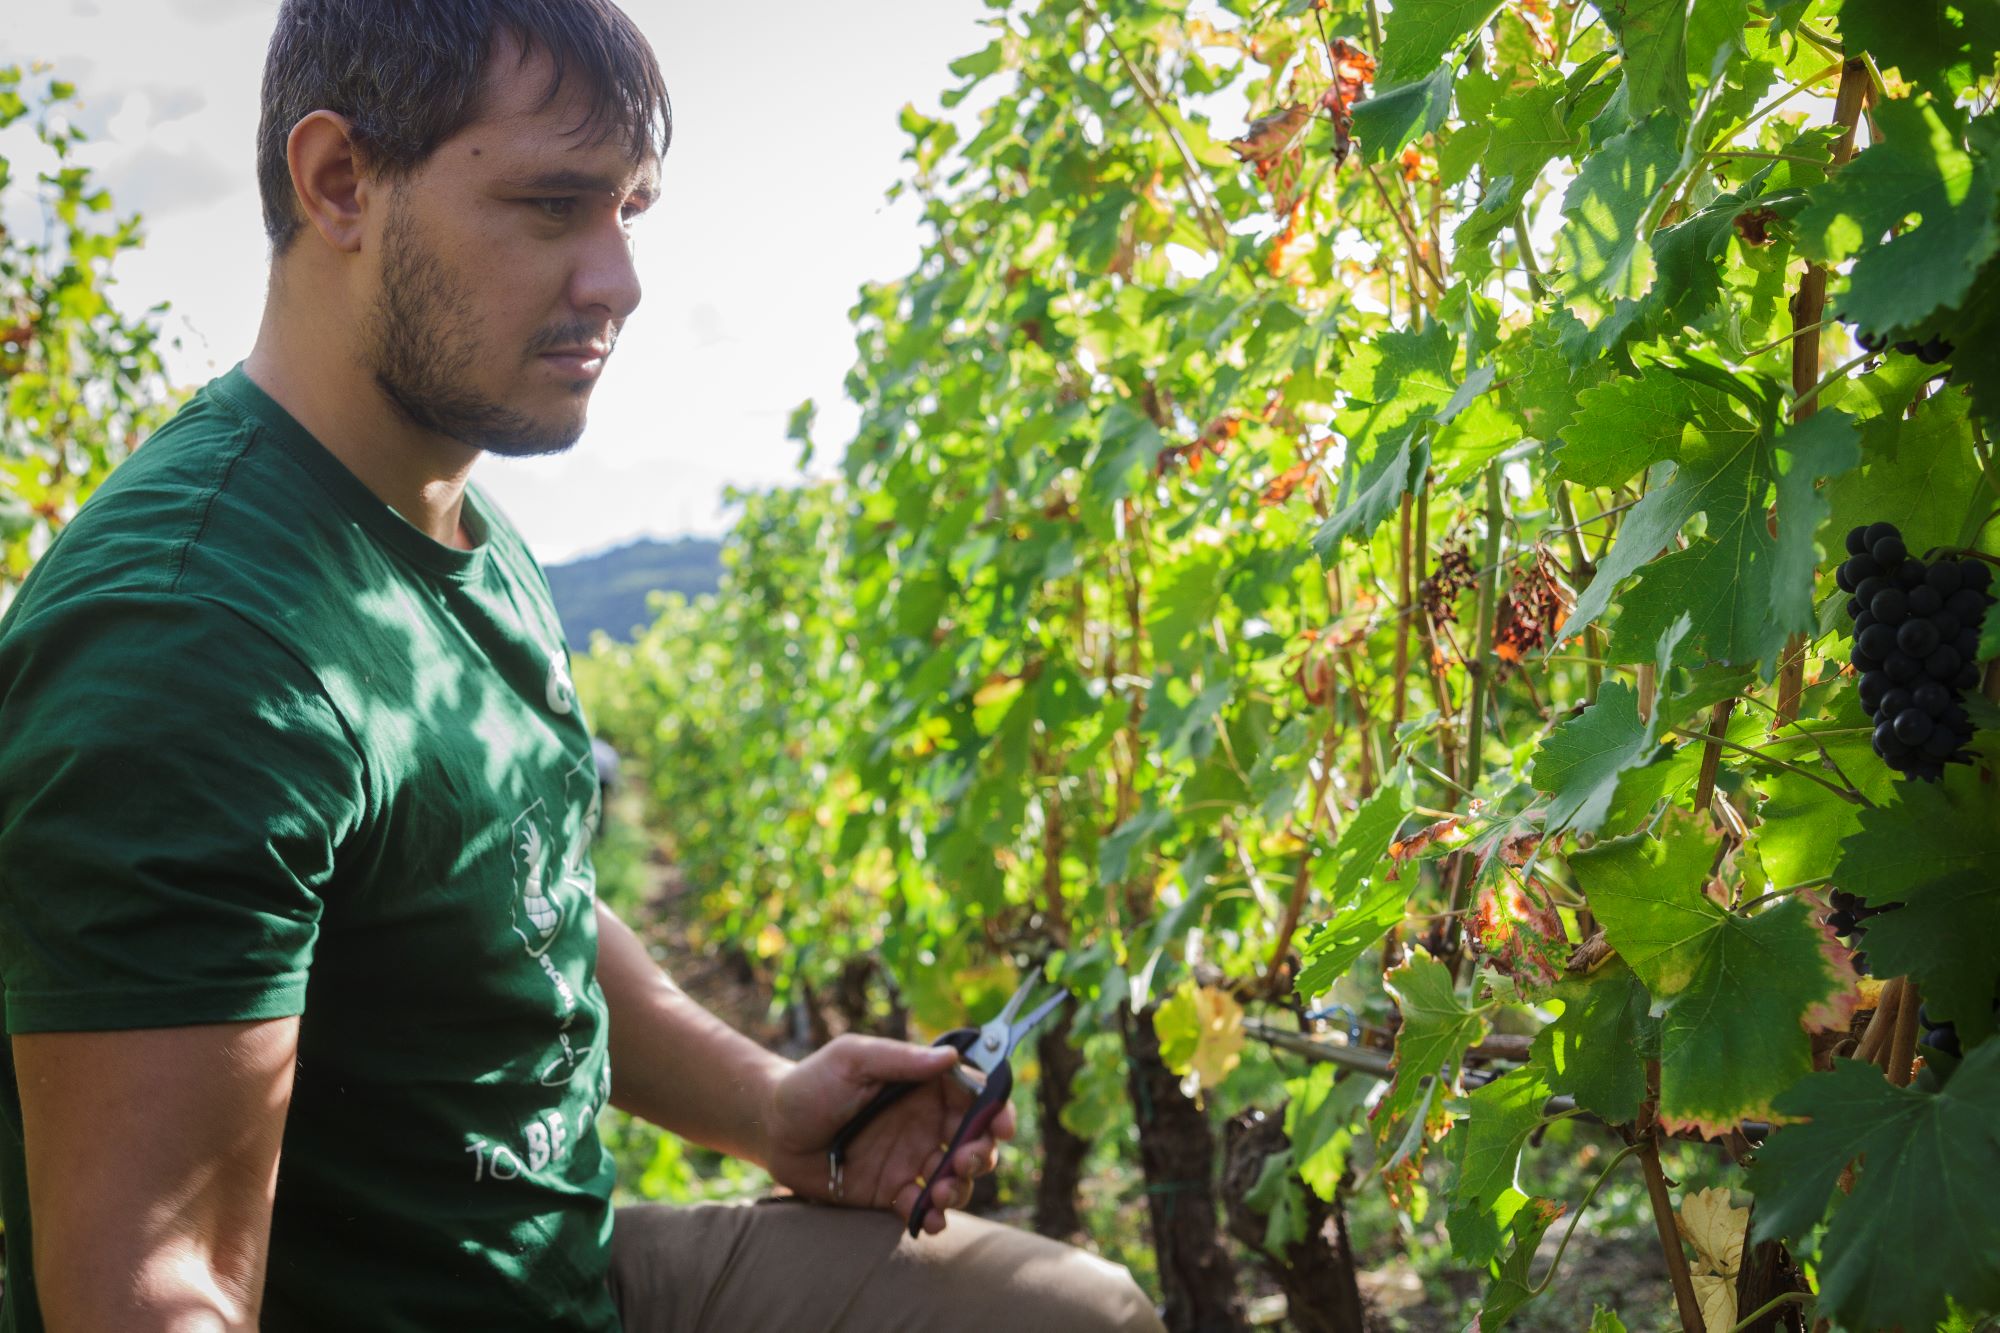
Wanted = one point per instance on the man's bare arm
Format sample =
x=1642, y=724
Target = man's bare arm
x=152, y=1162
x=673, y=1062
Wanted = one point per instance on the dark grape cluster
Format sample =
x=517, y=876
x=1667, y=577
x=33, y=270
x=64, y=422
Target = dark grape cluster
x=1846, y=918
x=1941, y=1034
x=1930, y=351
x=1916, y=646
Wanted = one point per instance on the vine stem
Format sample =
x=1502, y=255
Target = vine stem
x=1481, y=668
x=1808, y=316
x=1711, y=754
x=1670, y=1241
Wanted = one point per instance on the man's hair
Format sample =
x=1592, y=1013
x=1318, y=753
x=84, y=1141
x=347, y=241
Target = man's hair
x=409, y=74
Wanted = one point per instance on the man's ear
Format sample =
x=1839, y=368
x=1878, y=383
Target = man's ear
x=327, y=179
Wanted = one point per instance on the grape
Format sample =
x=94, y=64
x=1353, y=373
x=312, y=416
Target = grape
x=1891, y=606
x=1930, y=696
x=1967, y=677
x=1886, y=743
x=1878, y=641
x=1842, y=923
x=1896, y=699
x=1917, y=637
x=1868, y=587
x=1910, y=574
x=1943, y=663
x=1861, y=963
x=1925, y=601
x=1842, y=581
x=1967, y=644
x=1913, y=726
x=1943, y=576
x=1933, y=350
x=1944, y=1039
x=1907, y=347
x=1943, y=741
x=1902, y=668
x=1930, y=770
x=1877, y=531
x=1842, y=899
x=1862, y=567
x=1870, y=342
x=1967, y=604
x=1857, y=539
x=1873, y=686
x=1889, y=550
x=1975, y=574
x=1947, y=626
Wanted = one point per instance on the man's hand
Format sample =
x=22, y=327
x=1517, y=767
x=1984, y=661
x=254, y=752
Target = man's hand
x=818, y=1095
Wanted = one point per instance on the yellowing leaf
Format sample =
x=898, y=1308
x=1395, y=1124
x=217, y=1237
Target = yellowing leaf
x=1717, y=1298
x=1715, y=1229
x=1201, y=1034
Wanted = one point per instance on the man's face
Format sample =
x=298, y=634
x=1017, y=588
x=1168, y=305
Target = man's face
x=505, y=270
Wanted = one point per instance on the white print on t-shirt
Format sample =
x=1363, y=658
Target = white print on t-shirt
x=560, y=691
x=542, y=1141
x=554, y=886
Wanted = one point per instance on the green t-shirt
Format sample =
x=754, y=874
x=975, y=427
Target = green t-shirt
x=266, y=749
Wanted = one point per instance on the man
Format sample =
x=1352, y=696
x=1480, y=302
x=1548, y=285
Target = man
x=311, y=1007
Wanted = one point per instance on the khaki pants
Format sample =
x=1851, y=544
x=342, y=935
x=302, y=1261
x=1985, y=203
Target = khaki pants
x=806, y=1268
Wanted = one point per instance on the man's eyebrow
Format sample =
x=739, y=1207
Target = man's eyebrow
x=585, y=182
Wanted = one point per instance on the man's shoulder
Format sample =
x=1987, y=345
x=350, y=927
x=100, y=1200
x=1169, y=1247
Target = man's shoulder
x=209, y=509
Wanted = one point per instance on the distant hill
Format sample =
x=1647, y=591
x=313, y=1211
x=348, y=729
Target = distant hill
x=608, y=591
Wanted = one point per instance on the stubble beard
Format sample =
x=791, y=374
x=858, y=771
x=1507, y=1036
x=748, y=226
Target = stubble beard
x=423, y=346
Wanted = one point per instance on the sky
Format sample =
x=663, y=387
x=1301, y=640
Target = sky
x=772, y=215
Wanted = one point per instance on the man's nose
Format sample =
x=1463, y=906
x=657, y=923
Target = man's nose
x=606, y=279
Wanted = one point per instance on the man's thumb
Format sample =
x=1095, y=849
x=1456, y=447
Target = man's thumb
x=880, y=1060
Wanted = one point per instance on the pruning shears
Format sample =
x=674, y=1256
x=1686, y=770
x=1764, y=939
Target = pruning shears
x=986, y=1049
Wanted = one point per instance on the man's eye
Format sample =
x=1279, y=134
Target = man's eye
x=557, y=209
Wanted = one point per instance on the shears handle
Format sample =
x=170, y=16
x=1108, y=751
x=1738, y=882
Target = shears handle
x=979, y=1117
x=960, y=1039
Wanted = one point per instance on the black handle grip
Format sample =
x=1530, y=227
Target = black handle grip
x=978, y=1118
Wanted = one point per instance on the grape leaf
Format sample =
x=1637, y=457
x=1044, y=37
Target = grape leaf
x=1603, y=255
x=1486, y=1159
x=1387, y=121
x=1919, y=473
x=1919, y=168
x=1623, y=427
x=1376, y=489
x=1935, y=852
x=1935, y=44
x=1774, y=974
x=1923, y=1220
x=1362, y=845
x=1749, y=590
x=1800, y=826
x=1420, y=32
x=1597, y=1047
x=1437, y=1027
x=1579, y=764
x=1743, y=583
x=1652, y=37
x=1511, y=1287
x=1526, y=130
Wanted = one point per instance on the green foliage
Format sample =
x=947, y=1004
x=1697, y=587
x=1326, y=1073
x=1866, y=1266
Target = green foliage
x=1405, y=525
x=80, y=380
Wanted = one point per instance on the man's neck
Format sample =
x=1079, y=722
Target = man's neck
x=326, y=389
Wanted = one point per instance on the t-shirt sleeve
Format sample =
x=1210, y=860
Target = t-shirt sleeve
x=174, y=791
